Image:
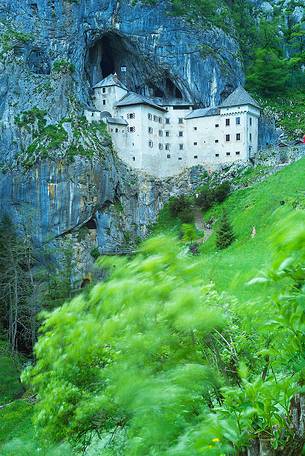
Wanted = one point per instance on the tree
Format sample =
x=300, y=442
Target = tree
x=268, y=73
x=17, y=286
x=224, y=235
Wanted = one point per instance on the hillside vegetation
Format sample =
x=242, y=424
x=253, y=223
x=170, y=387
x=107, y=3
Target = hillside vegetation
x=158, y=340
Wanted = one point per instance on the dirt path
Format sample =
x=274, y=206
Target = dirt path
x=201, y=226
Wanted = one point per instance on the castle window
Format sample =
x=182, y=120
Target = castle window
x=250, y=121
x=250, y=136
x=151, y=144
x=195, y=157
x=237, y=153
x=228, y=154
x=134, y=159
x=111, y=130
x=156, y=118
x=168, y=156
x=160, y=133
x=132, y=129
x=237, y=136
x=104, y=102
x=227, y=122
x=150, y=130
x=180, y=158
x=116, y=130
x=216, y=141
x=180, y=146
x=167, y=146
x=149, y=116
x=237, y=120
x=92, y=114
x=216, y=155
x=180, y=133
x=227, y=138
x=104, y=89
x=160, y=119
x=160, y=146
x=216, y=125
x=195, y=128
x=195, y=144
x=167, y=133
x=167, y=121
x=131, y=115
x=180, y=120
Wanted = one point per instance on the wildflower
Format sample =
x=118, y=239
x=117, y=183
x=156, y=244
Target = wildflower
x=215, y=440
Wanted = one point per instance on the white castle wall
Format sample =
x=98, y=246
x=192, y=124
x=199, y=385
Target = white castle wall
x=163, y=143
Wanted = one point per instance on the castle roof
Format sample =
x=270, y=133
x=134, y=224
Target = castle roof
x=117, y=121
x=111, y=80
x=203, y=112
x=131, y=99
x=238, y=98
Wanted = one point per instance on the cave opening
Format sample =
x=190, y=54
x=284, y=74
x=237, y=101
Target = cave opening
x=115, y=53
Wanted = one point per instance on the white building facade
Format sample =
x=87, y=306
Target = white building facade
x=163, y=140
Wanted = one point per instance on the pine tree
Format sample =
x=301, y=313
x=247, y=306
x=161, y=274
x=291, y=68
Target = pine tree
x=225, y=235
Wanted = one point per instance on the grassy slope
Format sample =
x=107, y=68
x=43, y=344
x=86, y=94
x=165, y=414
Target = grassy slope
x=259, y=206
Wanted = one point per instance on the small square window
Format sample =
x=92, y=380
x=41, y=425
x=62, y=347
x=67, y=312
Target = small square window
x=160, y=133
x=104, y=90
x=180, y=146
x=160, y=146
x=237, y=120
x=195, y=128
x=167, y=121
x=167, y=133
x=116, y=130
x=216, y=155
x=227, y=122
x=132, y=129
x=228, y=154
x=180, y=120
x=167, y=146
x=134, y=159
x=195, y=144
x=216, y=141
x=228, y=138
x=195, y=156
x=237, y=153
x=168, y=156
x=150, y=130
x=216, y=125
x=237, y=136
x=149, y=116
x=156, y=118
x=179, y=158
x=180, y=133
x=151, y=144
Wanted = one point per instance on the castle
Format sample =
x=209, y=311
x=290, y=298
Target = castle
x=164, y=137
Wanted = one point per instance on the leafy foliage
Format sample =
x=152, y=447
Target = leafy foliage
x=172, y=366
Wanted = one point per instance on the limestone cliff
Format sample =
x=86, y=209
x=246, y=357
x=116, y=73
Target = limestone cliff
x=51, y=51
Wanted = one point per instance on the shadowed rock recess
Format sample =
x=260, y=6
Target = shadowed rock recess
x=57, y=171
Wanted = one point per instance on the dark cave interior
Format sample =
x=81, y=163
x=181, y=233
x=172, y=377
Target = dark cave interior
x=114, y=53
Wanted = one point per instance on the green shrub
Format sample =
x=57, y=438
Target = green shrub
x=224, y=235
x=63, y=66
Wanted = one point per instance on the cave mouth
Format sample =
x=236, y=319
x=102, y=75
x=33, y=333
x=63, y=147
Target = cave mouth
x=116, y=53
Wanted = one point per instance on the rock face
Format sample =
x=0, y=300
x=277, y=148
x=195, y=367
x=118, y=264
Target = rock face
x=51, y=52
